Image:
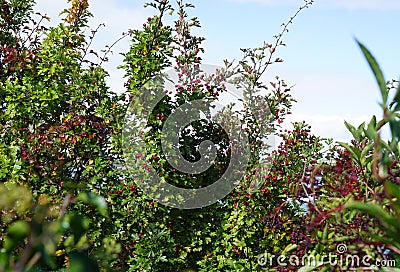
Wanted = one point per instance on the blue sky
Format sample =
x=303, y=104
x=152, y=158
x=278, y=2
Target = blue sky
x=332, y=80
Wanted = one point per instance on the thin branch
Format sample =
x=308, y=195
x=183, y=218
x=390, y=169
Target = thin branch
x=91, y=38
x=285, y=29
x=109, y=47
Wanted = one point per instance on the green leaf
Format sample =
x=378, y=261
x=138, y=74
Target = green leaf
x=373, y=64
x=325, y=233
x=393, y=190
x=376, y=211
x=80, y=262
x=16, y=233
x=364, y=152
x=289, y=248
x=94, y=200
x=78, y=225
x=390, y=269
x=310, y=267
x=360, y=130
x=394, y=128
x=18, y=230
x=4, y=259
x=354, y=151
x=371, y=132
x=353, y=131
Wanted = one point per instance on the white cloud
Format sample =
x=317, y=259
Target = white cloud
x=348, y=4
x=270, y=2
x=330, y=126
x=362, y=4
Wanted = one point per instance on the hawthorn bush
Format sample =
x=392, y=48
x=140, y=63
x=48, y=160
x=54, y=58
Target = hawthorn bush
x=228, y=235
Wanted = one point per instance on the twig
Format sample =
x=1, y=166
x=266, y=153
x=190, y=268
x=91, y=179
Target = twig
x=91, y=38
x=285, y=29
x=67, y=200
x=109, y=48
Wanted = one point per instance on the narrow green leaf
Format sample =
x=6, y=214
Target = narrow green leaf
x=390, y=269
x=355, y=153
x=374, y=210
x=393, y=190
x=353, y=131
x=365, y=151
x=394, y=128
x=396, y=98
x=371, y=131
x=345, y=145
x=289, y=248
x=310, y=267
x=360, y=129
x=325, y=233
x=373, y=64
